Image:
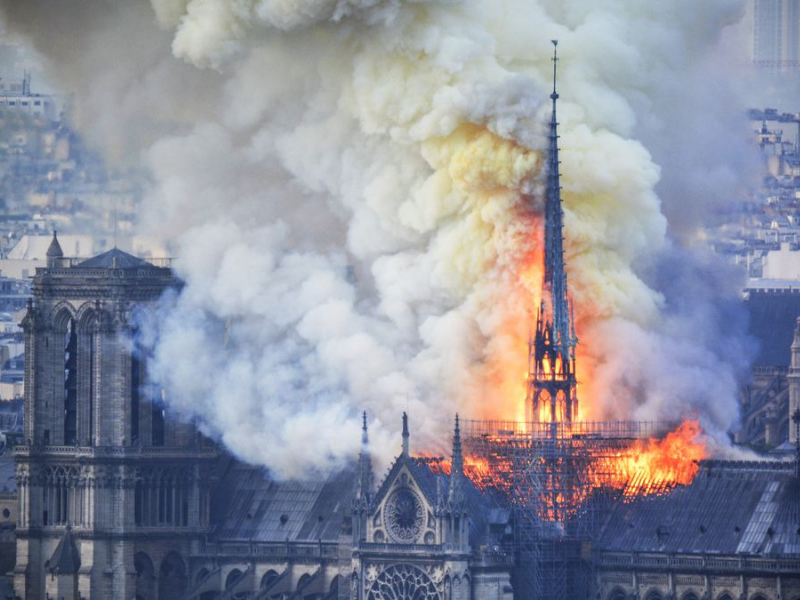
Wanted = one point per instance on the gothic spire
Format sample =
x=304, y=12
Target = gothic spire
x=554, y=272
x=405, y=434
x=457, y=469
x=364, y=482
x=551, y=359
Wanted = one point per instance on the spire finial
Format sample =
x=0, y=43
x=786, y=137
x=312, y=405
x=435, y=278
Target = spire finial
x=405, y=434
x=554, y=95
x=364, y=437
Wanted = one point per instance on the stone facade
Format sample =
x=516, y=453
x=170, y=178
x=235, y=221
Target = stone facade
x=101, y=462
x=415, y=535
x=117, y=500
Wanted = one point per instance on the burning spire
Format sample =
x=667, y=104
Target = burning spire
x=552, y=392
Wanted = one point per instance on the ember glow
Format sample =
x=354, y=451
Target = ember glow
x=580, y=467
x=664, y=463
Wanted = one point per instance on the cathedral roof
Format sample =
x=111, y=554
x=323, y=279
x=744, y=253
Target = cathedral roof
x=730, y=508
x=113, y=259
x=66, y=559
x=253, y=506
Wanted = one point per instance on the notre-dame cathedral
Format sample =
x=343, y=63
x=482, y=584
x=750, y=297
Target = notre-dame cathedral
x=117, y=500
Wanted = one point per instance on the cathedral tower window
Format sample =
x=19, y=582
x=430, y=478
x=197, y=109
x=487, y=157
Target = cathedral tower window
x=137, y=373
x=71, y=385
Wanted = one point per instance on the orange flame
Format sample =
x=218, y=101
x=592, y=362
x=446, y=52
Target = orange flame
x=664, y=463
x=639, y=468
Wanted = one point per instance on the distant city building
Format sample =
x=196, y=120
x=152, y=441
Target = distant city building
x=16, y=95
x=776, y=33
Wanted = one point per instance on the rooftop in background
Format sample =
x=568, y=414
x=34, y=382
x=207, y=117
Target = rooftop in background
x=8, y=476
x=34, y=247
x=773, y=311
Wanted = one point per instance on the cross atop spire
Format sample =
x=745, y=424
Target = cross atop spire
x=554, y=95
x=364, y=437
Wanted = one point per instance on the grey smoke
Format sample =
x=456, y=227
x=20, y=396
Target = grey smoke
x=341, y=184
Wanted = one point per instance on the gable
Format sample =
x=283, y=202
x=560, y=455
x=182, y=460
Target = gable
x=404, y=509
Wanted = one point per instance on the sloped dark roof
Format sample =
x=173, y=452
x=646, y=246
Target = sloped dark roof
x=112, y=259
x=729, y=508
x=66, y=559
x=253, y=506
x=772, y=321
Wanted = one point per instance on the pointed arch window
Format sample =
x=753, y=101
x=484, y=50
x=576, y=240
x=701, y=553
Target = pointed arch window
x=70, y=384
x=146, y=408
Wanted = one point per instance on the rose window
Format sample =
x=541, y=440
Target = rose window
x=403, y=582
x=404, y=516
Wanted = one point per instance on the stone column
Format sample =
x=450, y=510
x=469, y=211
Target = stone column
x=794, y=380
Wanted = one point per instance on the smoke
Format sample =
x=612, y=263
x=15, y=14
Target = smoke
x=353, y=191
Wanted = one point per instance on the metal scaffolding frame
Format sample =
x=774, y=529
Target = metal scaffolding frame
x=557, y=478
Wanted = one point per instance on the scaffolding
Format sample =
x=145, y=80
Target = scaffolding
x=560, y=480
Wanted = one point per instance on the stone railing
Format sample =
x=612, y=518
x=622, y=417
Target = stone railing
x=699, y=563
x=376, y=547
x=277, y=550
x=492, y=560
x=70, y=262
x=117, y=451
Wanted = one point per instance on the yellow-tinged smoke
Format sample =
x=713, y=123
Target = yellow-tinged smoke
x=362, y=204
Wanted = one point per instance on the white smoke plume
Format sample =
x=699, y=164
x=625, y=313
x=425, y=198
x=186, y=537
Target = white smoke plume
x=354, y=208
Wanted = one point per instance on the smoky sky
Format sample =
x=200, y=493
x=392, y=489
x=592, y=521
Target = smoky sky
x=352, y=191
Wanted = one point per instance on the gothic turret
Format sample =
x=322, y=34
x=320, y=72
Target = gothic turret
x=551, y=394
x=456, y=495
x=364, y=484
x=362, y=499
x=54, y=251
x=455, y=521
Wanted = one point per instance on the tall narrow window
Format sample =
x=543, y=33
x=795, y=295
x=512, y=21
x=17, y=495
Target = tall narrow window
x=70, y=385
x=158, y=424
x=92, y=361
x=136, y=391
x=138, y=503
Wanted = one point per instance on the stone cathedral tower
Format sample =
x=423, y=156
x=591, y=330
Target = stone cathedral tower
x=112, y=494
